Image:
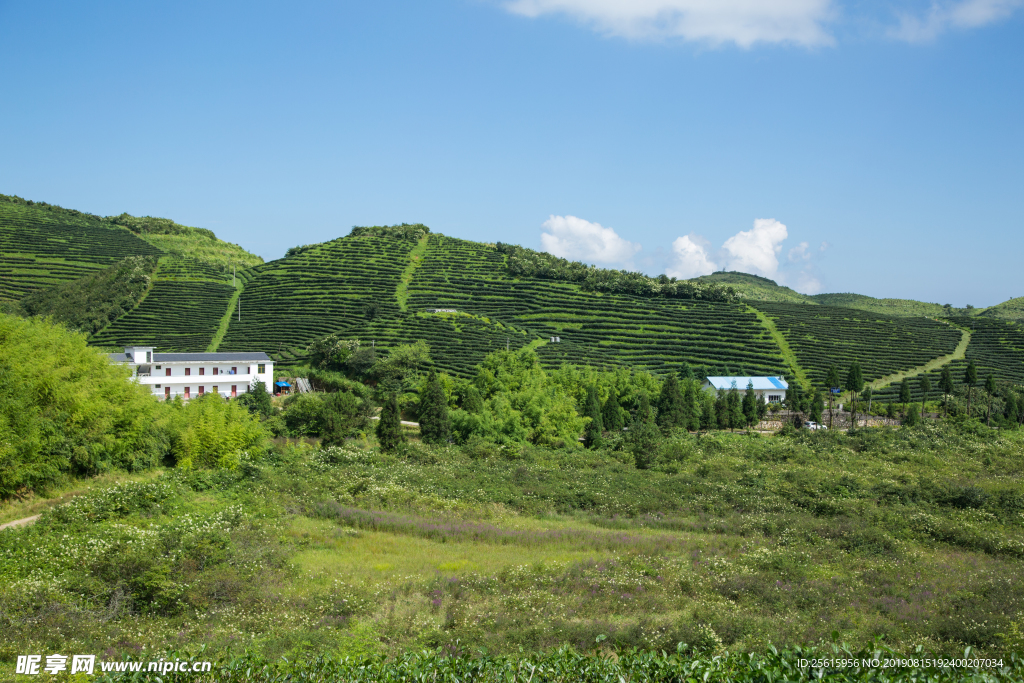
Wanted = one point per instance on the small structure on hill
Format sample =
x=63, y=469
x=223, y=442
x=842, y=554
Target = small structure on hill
x=194, y=374
x=772, y=388
x=442, y=310
x=556, y=340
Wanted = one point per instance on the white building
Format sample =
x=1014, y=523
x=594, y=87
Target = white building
x=772, y=388
x=194, y=374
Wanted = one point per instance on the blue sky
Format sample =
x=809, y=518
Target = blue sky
x=834, y=145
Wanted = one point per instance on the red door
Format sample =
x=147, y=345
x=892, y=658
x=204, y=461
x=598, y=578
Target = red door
x=201, y=390
x=234, y=390
x=168, y=373
x=167, y=392
x=187, y=389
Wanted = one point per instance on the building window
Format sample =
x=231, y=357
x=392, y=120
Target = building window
x=202, y=371
x=188, y=371
x=234, y=390
x=187, y=390
x=774, y=398
x=149, y=356
x=168, y=373
x=215, y=371
x=261, y=368
x=158, y=367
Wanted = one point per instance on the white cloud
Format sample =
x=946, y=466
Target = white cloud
x=691, y=258
x=800, y=252
x=580, y=240
x=807, y=283
x=743, y=22
x=756, y=250
x=824, y=246
x=943, y=16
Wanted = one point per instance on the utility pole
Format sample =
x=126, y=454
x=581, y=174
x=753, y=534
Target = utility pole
x=233, y=276
x=239, y=309
x=506, y=344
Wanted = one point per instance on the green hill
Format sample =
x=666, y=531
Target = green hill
x=896, y=307
x=1012, y=309
x=43, y=245
x=756, y=288
x=385, y=286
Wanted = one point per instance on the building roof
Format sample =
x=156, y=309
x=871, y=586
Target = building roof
x=760, y=383
x=237, y=357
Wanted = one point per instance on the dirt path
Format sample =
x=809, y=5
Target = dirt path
x=20, y=522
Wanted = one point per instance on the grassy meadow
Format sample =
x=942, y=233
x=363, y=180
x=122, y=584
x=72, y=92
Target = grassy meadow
x=731, y=542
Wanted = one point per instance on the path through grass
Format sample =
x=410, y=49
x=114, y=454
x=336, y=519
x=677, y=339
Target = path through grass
x=787, y=352
x=225, y=321
x=934, y=364
x=415, y=259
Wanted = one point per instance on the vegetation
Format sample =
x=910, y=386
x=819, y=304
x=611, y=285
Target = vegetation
x=198, y=244
x=523, y=262
x=93, y=301
x=756, y=288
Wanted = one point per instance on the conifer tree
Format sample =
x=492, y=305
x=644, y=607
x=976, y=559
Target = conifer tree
x=854, y=384
x=946, y=387
x=905, y=394
x=913, y=416
x=592, y=432
x=671, y=413
x=970, y=378
x=611, y=414
x=866, y=395
x=890, y=410
x=735, y=407
x=691, y=406
x=435, y=425
x=762, y=407
x=722, y=416
x=832, y=381
x=389, y=428
x=924, y=382
x=990, y=387
x=685, y=372
x=644, y=412
x=817, y=406
x=750, y=405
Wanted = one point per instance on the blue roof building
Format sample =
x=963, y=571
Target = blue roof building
x=772, y=388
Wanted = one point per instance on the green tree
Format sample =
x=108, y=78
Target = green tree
x=913, y=415
x=761, y=407
x=723, y=416
x=212, y=432
x=344, y=415
x=257, y=400
x=735, y=407
x=890, y=410
x=435, y=425
x=685, y=372
x=854, y=384
x=611, y=414
x=592, y=410
x=471, y=401
x=795, y=397
x=990, y=388
x=925, y=384
x=832, y=381
x=946, y=387
x=817, y=406
x=389, y=428
x=671, y=411
x=905, y=394
x=692, y=405
x=750, y=405
x=644, y=411
x=867, y=395
x=970, y=378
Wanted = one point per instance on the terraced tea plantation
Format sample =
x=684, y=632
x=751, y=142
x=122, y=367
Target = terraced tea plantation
x=596, y=329
x=823, y=336
x=174, y=316
x=997, y=349
x=327, y=288
x=41, y=246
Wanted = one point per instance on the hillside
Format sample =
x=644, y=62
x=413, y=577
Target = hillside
x=756, y=288
x=381, y=285
x=1013, y=309
x=895, y=307
x=43, y=245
